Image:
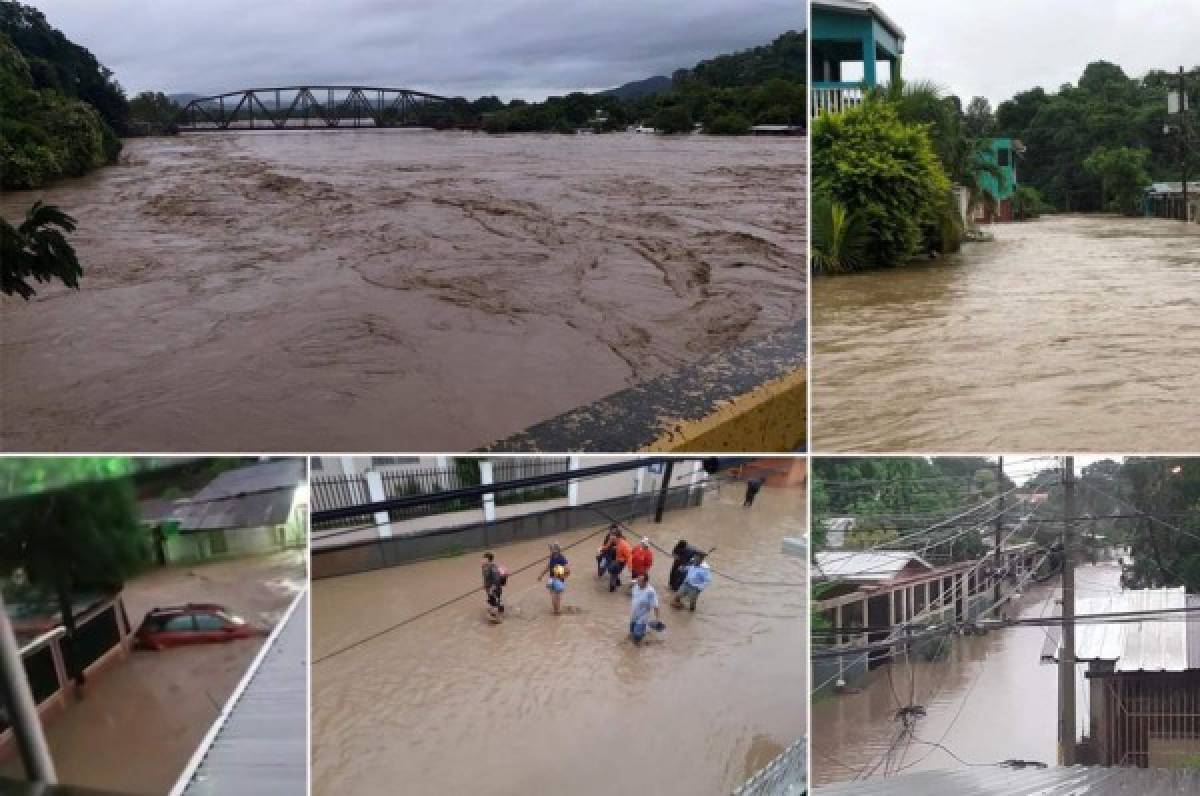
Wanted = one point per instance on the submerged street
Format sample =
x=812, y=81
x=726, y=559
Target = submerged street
x=989, y=699
x=567, y=704
x=1071, y=332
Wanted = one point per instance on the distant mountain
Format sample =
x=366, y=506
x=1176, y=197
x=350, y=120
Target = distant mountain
x=639, y=88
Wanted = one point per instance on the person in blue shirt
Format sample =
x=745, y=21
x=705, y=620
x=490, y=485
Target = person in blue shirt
x=696, y=578
x=643, y=603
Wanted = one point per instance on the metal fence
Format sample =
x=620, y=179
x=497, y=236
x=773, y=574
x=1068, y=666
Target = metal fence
x=786, y=775
x=338, y=491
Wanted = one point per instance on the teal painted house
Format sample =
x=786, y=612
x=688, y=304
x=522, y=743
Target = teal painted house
x=1003, y=152
x=851, y=32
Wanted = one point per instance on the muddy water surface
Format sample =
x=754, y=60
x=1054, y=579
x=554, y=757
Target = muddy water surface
x=392, y=289
x=990, y=699
x=546, y=704
x=1071, y=332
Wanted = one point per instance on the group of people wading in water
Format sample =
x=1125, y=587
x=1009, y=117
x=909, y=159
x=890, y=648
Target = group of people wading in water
x=690, y=575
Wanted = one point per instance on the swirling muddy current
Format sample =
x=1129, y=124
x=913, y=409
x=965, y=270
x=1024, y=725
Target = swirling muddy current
x=403, y=289
x=1067, y=333
x=566, y=704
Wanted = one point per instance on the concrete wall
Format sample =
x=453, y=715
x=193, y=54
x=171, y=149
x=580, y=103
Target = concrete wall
x=387, y=552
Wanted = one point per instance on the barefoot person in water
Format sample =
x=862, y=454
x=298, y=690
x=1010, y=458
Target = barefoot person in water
x=643, y=603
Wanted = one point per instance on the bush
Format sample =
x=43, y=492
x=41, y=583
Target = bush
x=673, y=119
x=1027, y=203
x=885, y=172
x=729, y=124
x=839, y=239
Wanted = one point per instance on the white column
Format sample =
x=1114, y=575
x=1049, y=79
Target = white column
x=573, y=485
x=837, y=620
x=639, y=478
x=347, y=465
x=375, y=491
x=443, y=462
x=695, y=479
x=866, y=621
x=489, y=500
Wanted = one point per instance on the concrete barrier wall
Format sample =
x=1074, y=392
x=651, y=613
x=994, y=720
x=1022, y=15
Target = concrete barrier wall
x=379, y=553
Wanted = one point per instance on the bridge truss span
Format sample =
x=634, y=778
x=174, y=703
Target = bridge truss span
x=319, y=107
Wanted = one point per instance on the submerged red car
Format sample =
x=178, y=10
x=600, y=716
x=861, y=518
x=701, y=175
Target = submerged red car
x=193, y=623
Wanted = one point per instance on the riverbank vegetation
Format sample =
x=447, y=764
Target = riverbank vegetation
x=60, y=110
x=1107, y=116
x=37, y=250
x=725, y=95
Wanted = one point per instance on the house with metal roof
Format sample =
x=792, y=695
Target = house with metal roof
x=1166, y=200
x=846, y=32
x=1143, y=678
x=261, y=508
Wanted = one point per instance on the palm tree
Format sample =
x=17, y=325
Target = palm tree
x=839, y=237
x=37, y=249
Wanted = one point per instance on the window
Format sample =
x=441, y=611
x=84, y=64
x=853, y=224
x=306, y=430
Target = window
x=1002, y=157
x=316, y=464
x=179, y=624
x=208, y=622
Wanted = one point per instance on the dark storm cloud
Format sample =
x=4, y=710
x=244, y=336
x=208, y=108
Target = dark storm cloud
x=513, y=48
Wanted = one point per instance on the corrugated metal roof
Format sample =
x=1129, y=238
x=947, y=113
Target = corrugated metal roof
x=248, y=497
x=1154, y=645
x=259, y=744
x=996, y=781
x=879, y=565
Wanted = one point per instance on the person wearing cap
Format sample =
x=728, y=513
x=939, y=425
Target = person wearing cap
x=622, y=555
x=558, y=569
x=642, y=559
x=696, y=578
x=494, y=578
x=643, y=603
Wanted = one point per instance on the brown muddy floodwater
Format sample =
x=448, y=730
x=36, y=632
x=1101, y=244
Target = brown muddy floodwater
x=566, y=704
x=142, y=717
x=989, y=700
x=1070, y=332
x=393, y=289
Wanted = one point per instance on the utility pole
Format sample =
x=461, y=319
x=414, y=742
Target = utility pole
x=999, y=528
x=1066, y=658
x=1183, y=141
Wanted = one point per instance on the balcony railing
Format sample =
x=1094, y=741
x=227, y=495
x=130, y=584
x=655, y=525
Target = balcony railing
x=836, y=98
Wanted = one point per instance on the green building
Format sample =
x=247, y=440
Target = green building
x=1003, y=152
x=850, y=32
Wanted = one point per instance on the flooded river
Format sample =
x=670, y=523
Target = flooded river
x=393, y=289
x=1070, y=332
x=989, y=700
x=566, y=704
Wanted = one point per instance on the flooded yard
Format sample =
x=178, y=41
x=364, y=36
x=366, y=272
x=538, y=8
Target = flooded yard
x=141, y=718
x=1071, y=332
x=566, y=704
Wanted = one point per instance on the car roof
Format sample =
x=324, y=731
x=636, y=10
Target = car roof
x=186, y=608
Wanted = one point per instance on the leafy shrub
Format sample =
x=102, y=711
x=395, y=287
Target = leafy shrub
x=1027, y=203
x=885, y=172
x=729, y=124
x=839, y=238
x=673, y=119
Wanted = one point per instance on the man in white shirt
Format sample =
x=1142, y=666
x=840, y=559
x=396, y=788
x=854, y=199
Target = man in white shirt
x=645, y=601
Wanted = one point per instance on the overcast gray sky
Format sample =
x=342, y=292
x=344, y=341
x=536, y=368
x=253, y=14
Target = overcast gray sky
x=995, y=49
x=513, y=48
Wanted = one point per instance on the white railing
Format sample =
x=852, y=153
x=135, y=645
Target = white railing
x=835, y=100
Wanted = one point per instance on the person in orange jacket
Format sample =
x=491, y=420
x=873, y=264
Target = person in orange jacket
x=642, y=559
x=622, y=556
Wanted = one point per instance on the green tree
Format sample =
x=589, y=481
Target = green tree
x=729, y=124
x=37, y=249
x=68, y=525
x=839, y=238
x=153, y=112
x=885, y=171
x=672, y=119
x=979, y=120
x=1123, y=177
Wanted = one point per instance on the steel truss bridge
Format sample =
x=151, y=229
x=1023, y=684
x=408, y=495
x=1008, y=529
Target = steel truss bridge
x=318, y=108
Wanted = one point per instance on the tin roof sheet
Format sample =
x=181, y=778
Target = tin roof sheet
x=259, y=744
x=996, y=781
x=878, y=565
x=1153, y=645
x=248, y=497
